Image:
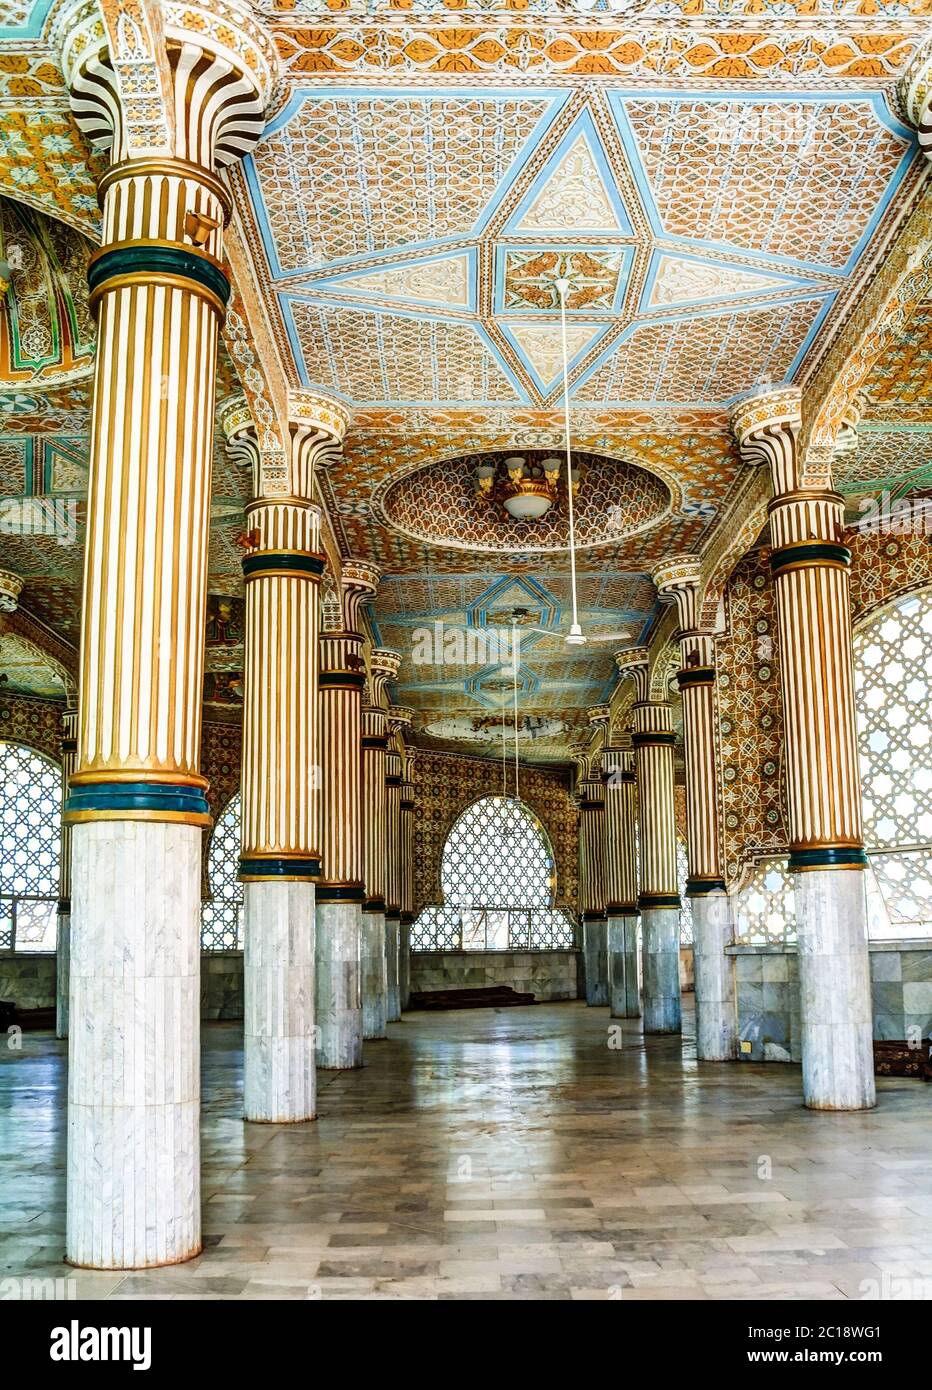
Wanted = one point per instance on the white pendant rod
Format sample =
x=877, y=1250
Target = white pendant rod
x=514, y=672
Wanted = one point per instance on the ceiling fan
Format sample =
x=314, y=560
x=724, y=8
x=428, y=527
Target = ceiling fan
x=575, y=637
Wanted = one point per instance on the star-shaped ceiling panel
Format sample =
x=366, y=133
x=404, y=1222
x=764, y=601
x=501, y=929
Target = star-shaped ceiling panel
x=412, y=239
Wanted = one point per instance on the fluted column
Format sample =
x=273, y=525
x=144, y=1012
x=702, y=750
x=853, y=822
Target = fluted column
x=158, y=288
x=340, y=890
x=69, y=751
x=280, y=851
x=658, y=892
x=713, y=928
x=621, y=889
x=407, y=880
x=810, y=565
x=592, y=866
x=383, y=666
x=398, y=720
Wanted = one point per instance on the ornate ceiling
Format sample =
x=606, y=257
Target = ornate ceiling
x=718, y=180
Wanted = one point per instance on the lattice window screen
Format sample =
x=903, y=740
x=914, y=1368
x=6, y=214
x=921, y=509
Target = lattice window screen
x=497, y=877
x=222, y=913
x=30, y=833
x=765, y=908
x=893, y=693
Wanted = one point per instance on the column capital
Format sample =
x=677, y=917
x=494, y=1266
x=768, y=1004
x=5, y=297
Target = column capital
x=384, y=666
x=358, y=583
x=599, y=717
x=635, y=665
x=10, y=589
x=242, y=440
x=130, y=77
x=400, y=718
x=766, y=427
x=915, y=95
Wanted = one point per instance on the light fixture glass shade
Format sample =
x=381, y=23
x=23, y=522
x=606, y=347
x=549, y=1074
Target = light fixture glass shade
x=527, y=506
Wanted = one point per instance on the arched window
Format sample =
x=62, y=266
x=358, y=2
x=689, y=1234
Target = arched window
x=497, y=877
x=222, y=912
x=893, y=694
x=30, y=835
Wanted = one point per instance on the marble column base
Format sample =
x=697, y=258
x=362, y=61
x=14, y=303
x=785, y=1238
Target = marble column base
x=595, y=946
x=62, y=973
x=338, y=956
x=836, y=1015
x=392, y=945
x=374, y=976
x=404, y=965
x=624, y=994
x=660, y=944
x=133, y=1166
x=716, y=1008
x=279, y=1076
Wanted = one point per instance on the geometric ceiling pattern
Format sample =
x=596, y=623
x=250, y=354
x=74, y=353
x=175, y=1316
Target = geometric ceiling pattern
x=705, y=240
x=715, y=179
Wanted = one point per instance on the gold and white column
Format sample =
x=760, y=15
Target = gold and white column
x=658, y=895
x=340, y=890
x=69, y=752
x=621, y=885
x=809, y=565
x=398, y=720
x=280, y=855
x=713, y=927
x=137, y=807
x=407, y=880
x=383, y=667
x=591, y=793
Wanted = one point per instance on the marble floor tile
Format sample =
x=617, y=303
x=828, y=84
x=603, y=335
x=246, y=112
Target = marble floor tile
x=507, y=1156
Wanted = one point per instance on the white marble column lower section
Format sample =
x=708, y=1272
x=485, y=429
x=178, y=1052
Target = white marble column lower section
x=133, y=1167
x=62, y=973
x=404, y=965
x=279, y=1042
x=595, y=946
x=660, y=944
x=716, y=1007
x=392, y=947
x=835, y=990
x=339, y=986
x=374, y=976
x=624, y=993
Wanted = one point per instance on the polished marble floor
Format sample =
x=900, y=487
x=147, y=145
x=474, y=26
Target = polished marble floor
x=511, y=1154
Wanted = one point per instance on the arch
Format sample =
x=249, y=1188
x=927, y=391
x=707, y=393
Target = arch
x=30, y=844
x=222, y=907
x=497, y=885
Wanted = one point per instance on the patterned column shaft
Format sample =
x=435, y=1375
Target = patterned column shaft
x=810, y=574
x=383, y=665
x=407, y=881
x=393, y=770
x=342, y=680
x=592, y=846
x=281, y=772
x=697, y=686
x=653, y=739
x=69, y=750
x=173, y=106
x=621, y=891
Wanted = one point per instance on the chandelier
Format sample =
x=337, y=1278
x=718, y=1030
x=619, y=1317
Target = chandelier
x=524, y=488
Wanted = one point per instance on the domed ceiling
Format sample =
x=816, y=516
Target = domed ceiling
x=440, y=504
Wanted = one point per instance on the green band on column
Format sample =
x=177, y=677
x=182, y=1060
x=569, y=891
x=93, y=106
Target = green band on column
x=660, y=739
x=695, y=675
x=829, y=857
x=339, y=893
x=697, y=887
x=155, y=258
x=295, y=562
x=277, y=867
x=659, y=900
x=809, y=553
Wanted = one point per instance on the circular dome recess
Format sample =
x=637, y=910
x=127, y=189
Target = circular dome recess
x=438, y=503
